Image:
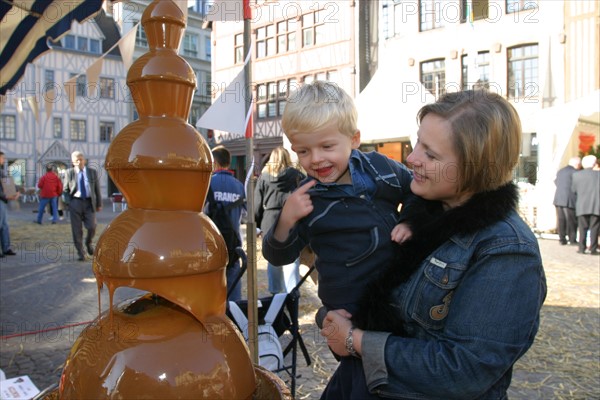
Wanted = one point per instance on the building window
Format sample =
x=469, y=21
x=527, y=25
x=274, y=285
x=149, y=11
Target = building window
x=207, y=48
x=81, y=43
x=480, y=71
x=430, y=14
x=57, y=128
x=314, y=29
x=195, y=114
x=78, y=130
x=69, y=42
x=523, y=76
x=308, y=79
x=474, y=10
x=208, y=79
x=190, y=45
x=8, y=127
x=140, y=35
x=239, y=48
x=81, y=85
x=95, y=46
x=271, y=97
x=286, y=36
x=48, y=80
x=265, y=41
x=392, y=18
x=107, y=88
x=513, y=6
x=433, y=76
x=107, y=130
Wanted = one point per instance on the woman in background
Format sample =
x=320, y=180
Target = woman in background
x=278, y=179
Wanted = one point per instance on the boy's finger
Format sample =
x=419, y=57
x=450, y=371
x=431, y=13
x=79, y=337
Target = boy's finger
x=306, y=187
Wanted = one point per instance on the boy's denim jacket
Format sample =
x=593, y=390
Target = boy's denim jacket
x=458, y=354
x=350, y=234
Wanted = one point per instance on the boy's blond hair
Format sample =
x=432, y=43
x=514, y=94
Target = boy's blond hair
x=317, y=104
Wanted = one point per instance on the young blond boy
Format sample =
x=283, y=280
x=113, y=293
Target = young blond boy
x=347, y=208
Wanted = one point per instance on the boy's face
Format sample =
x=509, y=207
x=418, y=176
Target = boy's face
x=324, y=153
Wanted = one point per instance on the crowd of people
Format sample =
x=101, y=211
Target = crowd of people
x=431, y=283
x=577, y=202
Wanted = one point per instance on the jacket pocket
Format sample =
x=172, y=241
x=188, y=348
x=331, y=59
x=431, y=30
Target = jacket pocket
x=372, y=245
x=433, y=296
x=348, y=250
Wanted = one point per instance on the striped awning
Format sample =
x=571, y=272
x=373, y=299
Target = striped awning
x=27, y=25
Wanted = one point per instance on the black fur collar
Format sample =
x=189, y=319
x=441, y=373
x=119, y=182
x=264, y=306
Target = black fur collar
x=431, y=227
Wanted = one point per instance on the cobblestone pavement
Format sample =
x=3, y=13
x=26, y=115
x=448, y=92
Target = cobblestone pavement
x=47, y=297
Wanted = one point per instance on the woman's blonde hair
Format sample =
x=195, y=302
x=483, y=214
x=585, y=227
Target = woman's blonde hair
x=315, y=105
x=486, y=134
x=278, y=161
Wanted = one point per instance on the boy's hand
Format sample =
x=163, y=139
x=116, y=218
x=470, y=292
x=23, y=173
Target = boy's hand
x=297, y=206
x=401, y=233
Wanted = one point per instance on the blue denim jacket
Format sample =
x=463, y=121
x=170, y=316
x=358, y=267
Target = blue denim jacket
x=492, y=284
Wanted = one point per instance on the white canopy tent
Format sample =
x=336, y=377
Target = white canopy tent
x=388, y=106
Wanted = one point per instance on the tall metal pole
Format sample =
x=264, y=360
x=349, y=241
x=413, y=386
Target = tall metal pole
x=251, y=225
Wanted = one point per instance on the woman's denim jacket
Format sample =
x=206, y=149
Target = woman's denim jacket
x=454, y=349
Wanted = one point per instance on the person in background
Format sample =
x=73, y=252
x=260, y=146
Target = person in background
x=4, y=229
x=278, y=179
x=462, y=305
x=586, y=186
x=82, y=187
x=50, y=189
x=226, y=190
x=564, y=201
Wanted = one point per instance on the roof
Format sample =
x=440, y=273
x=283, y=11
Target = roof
x=109, y=28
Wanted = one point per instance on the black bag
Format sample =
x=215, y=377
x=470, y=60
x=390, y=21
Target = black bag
x=218, y=212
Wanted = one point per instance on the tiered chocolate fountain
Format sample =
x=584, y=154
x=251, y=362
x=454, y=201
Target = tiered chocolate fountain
x=174, y=342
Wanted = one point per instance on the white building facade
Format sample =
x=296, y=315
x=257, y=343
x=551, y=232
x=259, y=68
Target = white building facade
x=43, y=119
x=542, y=55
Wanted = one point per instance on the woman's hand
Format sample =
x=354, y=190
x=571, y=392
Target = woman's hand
x=336, y=326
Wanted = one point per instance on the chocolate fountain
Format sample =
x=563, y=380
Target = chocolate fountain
x=175, y=341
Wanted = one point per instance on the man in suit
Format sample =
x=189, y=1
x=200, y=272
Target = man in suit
x=564, y=201
x=586, y=186
x=82, y=187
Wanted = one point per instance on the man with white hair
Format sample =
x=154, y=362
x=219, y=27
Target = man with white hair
x=564, y=201
x=586, y=186
x=82, y=185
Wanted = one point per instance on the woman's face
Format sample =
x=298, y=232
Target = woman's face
x=435, y=163
x=324, y=154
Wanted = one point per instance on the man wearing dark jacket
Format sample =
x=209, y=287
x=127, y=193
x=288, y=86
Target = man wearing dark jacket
x=227, y=189
x=564, y=201
x=82, y=187
x=586, y=186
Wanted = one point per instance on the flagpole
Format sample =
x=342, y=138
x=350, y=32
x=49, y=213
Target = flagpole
x=251, y=224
